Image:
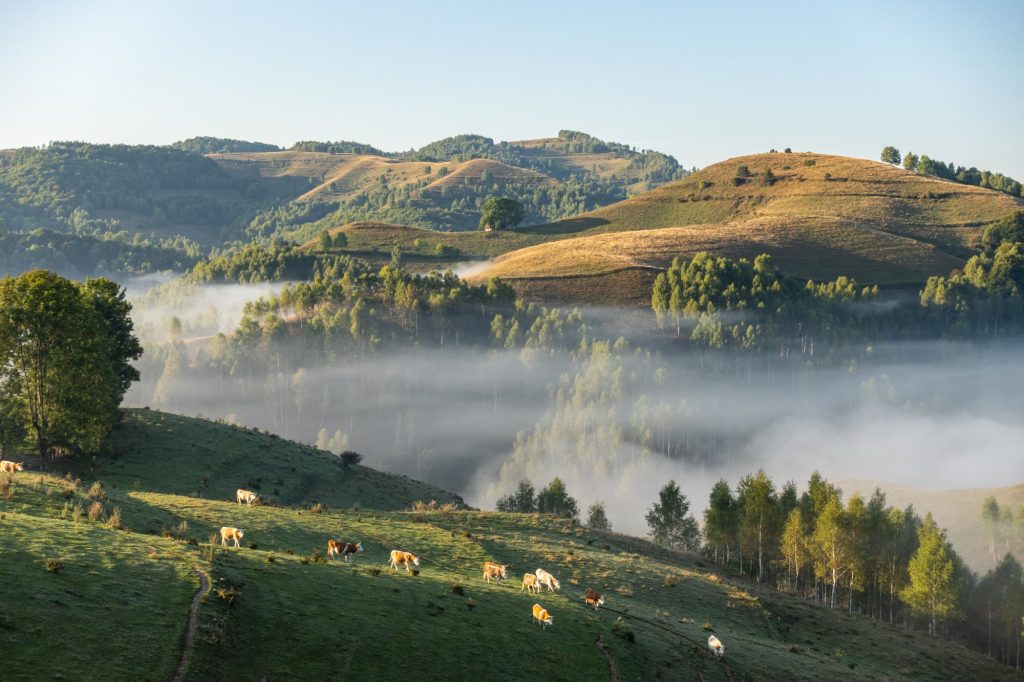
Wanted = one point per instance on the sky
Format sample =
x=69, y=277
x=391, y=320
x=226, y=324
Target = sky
x=702, y=81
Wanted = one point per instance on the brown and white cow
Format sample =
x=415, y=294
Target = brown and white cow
x=9, y=467
x=495, y=571
x=593, y=598
x=229, y=533
x=345, y=549
x=541, y=615
x=545, y=578
x=716, y=646
x=246, y=496
x=404, y=558
x=530, y=583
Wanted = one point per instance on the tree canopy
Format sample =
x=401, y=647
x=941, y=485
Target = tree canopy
x=65, y=350
x=501, y=213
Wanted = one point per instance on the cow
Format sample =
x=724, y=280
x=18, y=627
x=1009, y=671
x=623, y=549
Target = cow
x=498, y=572
x=345, y=549
x=229, y=533
x=716, y=646
x=9, y=467
x=247, y=496
x=405, y=558
x=545, y=578
x=530, y=583
x=593, y=598
x=541, y=615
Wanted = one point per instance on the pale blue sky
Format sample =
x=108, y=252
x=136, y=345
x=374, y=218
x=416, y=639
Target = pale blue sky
x=700, y=80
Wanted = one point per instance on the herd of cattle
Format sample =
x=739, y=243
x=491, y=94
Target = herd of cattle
x=532, y=582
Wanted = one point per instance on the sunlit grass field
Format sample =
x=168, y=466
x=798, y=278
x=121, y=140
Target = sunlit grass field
x=117, y=606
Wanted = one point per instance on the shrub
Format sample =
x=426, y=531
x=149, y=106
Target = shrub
x=76, y=512
x=229, y=595
x=178, y=532
x=114, y=521
x=318, y=508
x=95, y=491
x=828, y=176
x=742, y=171
x=7, y=487
x=349, y=458
x=809, y=162
x=96, y=511
x=620, y=628
x=54, y=565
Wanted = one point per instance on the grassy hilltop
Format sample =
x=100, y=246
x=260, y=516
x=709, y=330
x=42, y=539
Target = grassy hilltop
x=819, y=215
x=276, y=608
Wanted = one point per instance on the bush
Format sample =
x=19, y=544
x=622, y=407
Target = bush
x=95, y=491
x=809, y=162
x=349, y=458
x=742, y=172
x=96, y=511
x=54, y=565
x=229, y=595
x=114, y=521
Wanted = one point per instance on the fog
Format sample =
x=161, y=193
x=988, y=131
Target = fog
x=619, y=424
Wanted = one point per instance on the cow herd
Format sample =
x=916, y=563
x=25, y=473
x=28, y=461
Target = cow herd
x=532, y=582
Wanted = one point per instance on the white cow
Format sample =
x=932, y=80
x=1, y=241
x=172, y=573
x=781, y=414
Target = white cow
x=716, y=646
x=545, y=578
x=247, y=496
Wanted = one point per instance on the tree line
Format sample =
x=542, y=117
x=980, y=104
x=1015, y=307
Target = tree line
x=949, y=171
x=866, y=557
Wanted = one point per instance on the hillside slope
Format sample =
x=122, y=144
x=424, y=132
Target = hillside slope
x=172, y=454
x=277, y=609
x=819, y=215
x=117, y=584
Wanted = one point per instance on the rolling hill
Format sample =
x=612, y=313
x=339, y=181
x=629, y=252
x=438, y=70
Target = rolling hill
x=127, y=584
x=819, y=216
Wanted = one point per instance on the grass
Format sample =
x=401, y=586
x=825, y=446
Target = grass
x=874, y=222
x=277, y=609
x=160, y=452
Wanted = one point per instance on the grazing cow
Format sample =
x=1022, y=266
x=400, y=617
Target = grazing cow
x=496, y=571
x=247, y=496
x=530, y=583
x=716, y=646
x=545, y=578
x=345, y=549
x=229, y=533
x=405, y=558
x=594, y=598
x=541, y=615
x=9, y=467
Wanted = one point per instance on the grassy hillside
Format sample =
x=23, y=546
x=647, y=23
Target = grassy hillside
x=123, y=598
x=167, y=453
x=819, y=215
x=276, y=608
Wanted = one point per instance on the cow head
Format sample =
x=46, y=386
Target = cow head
x=19, y=466
x=416, y=560
x=359, y=547
x=555, y=583
x=240, y=533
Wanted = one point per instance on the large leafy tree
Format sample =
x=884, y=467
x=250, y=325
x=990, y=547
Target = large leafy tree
x=555, y=499
x=64, y=353
x=932, y=592
x=501, y=213
x=891, y=155
x=669, y=520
